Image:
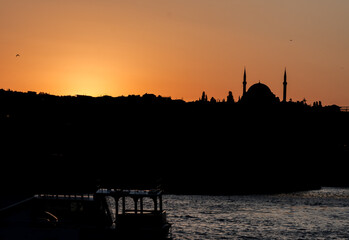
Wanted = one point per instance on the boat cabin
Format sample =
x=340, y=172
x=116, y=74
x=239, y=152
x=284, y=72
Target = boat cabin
x=138, y=216
x=106, y=214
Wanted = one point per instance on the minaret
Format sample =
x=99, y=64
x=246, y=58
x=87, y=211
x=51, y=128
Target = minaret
x=285, y=84
x=244, y=83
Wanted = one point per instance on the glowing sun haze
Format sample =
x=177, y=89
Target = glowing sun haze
x=176, y=48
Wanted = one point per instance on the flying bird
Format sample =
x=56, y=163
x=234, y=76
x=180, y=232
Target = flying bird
x=17, y=55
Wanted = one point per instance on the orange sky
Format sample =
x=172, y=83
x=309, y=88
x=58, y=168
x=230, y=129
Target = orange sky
x=176, y=48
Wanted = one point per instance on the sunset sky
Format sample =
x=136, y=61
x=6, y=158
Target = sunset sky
x=176, y=48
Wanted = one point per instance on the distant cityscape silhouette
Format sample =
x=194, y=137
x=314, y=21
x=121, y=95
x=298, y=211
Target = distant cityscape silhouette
x=256, y=144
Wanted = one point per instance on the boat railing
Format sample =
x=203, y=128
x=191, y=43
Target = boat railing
x=76, y=197
x=148, y=212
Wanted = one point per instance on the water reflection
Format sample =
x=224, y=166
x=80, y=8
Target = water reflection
x=306, y=215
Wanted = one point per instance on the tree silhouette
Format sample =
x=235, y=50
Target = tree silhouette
x=230, y=98
x=203, y=97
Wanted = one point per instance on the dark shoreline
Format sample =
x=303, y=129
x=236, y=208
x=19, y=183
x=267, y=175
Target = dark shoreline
x=52, y=143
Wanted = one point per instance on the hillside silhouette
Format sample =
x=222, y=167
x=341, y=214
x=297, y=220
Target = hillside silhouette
x=74, y=143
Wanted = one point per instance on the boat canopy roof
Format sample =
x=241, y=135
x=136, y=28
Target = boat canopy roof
x=129, y=193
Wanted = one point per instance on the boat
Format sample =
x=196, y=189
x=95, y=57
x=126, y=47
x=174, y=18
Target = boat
x=138, y=218
x=106, y=214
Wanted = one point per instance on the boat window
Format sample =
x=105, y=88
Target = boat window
x=148, y=204
x=111, y=206
x=129, y=204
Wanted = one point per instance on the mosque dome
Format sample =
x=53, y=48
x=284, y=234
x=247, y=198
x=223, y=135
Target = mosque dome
x=259, y=93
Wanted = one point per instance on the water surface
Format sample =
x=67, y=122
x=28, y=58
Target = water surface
x=320, y=214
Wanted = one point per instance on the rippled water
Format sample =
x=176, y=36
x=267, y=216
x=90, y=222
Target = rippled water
x=321, y=214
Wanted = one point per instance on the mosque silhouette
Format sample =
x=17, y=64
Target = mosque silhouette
x=262, y=143
x=260, y=93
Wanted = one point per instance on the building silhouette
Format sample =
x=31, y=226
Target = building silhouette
x=244, y=83
x=285, y=84
x=260, y=93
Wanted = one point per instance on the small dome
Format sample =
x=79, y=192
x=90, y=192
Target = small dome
x=259, y=93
